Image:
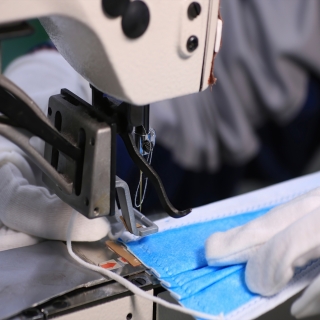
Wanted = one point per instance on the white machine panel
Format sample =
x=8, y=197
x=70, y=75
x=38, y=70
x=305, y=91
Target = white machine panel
x=149, y=68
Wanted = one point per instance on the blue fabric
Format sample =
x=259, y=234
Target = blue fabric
x=224, y=296
x=177, y=257
x=183, y=278
x=190, y=288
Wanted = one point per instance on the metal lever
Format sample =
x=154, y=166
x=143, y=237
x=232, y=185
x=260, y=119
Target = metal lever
x=22, y=139
x=130, y=215
x=153, y=177
x=126, y=205
x=30, y=117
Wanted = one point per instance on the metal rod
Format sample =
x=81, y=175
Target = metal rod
x=17, y=105
x=22, y=138
x=141, y=186
x=151, y=174
x=0, y=58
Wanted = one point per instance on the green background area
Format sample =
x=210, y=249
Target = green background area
x=14, y=48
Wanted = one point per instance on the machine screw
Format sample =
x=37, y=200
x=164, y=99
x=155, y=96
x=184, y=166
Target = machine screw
x=114, y=8
x=194, y=10
x=96, y=211
x=192, y=43
x=92, y=142
x=135, y=20
x=139, y=282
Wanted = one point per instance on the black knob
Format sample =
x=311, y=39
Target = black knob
x=114, y=8
x=192, y=43
x=194, y=10
x=135, y=20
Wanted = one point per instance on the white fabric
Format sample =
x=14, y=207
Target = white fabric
x=10, y=239
x=28, y=212
x=44, y=73
x=273, y=245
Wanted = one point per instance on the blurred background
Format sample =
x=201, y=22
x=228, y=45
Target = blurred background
x=259, y=124
x=17, y=47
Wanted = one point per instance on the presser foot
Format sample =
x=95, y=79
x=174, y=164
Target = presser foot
x=133, y=220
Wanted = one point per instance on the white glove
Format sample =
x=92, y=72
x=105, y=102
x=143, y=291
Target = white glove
x=28, y=212
x=31, y=209
x=274, y=245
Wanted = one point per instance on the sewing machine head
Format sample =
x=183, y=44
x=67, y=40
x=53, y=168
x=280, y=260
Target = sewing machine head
x=136, y=51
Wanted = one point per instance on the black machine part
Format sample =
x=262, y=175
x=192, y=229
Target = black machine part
x=80, y=145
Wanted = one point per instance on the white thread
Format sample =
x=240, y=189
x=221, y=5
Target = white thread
x=130, y=286
x=137, y=205
x=149, y=159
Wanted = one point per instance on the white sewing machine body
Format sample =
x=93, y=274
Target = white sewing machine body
x=154, y=66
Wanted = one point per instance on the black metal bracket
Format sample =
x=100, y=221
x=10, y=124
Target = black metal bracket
x=126, y=117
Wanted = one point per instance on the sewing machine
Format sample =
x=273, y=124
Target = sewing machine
x=133, y=53
x=137, y=52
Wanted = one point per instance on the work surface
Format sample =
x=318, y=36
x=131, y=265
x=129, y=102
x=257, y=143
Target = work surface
x=35, y=274
x=46, y=277
x=25, y=272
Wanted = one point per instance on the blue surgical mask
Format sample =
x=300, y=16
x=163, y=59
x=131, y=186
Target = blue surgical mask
x=177, y=258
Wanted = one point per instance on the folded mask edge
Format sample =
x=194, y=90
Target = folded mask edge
x=269, y=196
x=260, y=305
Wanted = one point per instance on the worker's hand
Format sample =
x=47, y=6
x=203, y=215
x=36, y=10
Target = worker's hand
x=29, y=212
x=273, y=246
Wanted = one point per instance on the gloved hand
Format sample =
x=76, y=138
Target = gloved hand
x=29, y=208
x=274, y=245
x=28, y=211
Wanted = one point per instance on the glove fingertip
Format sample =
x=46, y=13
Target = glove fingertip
x=220, y=252
x=90, y=230
x=300, y=309
x=214, y=249
x=308, y=304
